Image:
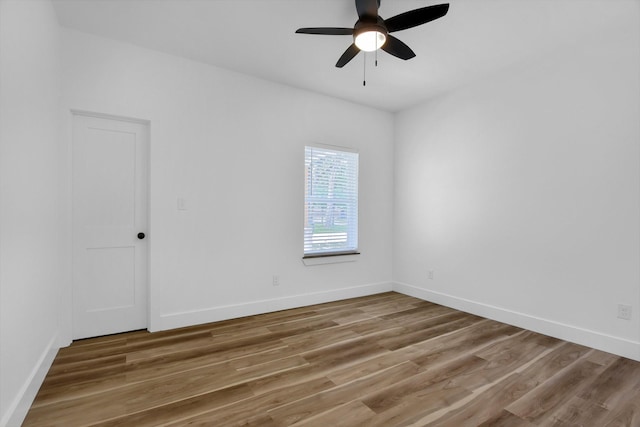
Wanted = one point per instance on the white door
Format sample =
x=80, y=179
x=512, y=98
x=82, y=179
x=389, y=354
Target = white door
x=110, y=175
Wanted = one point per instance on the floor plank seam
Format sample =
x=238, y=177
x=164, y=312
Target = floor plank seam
x=435, y=416
x=134, y=383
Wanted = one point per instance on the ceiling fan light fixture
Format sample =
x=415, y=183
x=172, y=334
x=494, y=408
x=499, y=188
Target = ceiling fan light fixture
x=370, y=40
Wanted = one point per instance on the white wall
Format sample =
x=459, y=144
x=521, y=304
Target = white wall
x=233, y=147
x=29, y=131
x=522, y=192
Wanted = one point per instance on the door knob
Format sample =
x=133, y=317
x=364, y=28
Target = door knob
x=140, y=236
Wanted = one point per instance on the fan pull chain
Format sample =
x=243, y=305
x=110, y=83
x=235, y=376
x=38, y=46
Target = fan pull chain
x=364, y=69
x=377, y=51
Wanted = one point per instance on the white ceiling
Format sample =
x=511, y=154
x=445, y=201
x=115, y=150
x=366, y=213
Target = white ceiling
x=257, y=37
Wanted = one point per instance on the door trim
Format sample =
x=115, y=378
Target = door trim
x=86, y=113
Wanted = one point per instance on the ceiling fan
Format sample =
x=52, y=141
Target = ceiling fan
x=371, y=32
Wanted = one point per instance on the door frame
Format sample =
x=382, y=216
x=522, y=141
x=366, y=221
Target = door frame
x=67, y=218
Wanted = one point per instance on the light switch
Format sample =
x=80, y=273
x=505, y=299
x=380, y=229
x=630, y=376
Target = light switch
x=182, y=204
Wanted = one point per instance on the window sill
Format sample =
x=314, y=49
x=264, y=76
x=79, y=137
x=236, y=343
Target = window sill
x=330, y=258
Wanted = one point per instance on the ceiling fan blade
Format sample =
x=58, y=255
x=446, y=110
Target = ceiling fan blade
x=416, y=17
x=348, y=55
x=397, y=48
x=367, y=8
x=331, y=31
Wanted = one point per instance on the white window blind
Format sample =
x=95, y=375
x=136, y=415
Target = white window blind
x=330, y=201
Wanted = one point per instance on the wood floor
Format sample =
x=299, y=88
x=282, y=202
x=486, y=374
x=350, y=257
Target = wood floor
x=384, y=360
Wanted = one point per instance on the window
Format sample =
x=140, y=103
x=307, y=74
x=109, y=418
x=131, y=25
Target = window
x=330, y=201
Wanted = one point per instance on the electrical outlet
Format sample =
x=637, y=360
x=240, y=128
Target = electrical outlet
x=624, y=312
x=276, y=280
x=430, y=274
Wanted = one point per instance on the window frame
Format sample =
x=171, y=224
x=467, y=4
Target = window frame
x=337, y=255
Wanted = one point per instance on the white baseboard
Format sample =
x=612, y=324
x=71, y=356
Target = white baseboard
x=589, y=338
x=215, y=314
x=19, y=408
